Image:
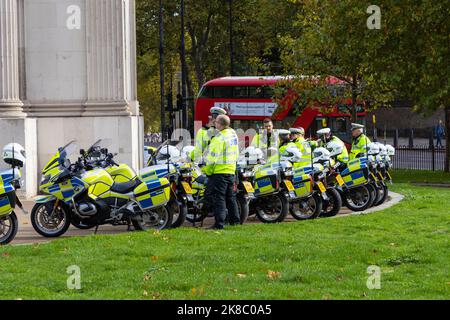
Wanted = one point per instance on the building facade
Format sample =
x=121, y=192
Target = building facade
x=68, y=72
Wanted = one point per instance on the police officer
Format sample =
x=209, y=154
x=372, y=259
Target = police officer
x=205, y=134
x=284, y=143
x=298, y=137
x=326, y=137
x=266, y=139
x=220, y=168
x=359, y=142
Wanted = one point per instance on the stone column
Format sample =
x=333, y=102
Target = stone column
x=106, y=58
x=10, y=103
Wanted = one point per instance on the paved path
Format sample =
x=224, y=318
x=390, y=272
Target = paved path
x=27, y=235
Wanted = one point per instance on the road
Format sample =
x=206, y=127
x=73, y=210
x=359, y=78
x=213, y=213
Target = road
x=27, y=235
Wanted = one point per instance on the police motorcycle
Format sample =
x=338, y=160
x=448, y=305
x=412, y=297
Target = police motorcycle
x=168, y=161
x=328, y=180
x=10, y=181
x=72, y=192
x=378, y=165
x=161, y=166
x=357, y=192
x=248, y=159
x=194, y=177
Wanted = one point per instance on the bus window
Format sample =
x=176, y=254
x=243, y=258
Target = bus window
x=206, y=92
x=240, y=92
x=255, y=92
x=223, y=92
x=268, y=92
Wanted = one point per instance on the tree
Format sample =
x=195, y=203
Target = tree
x=413, y=51
x=335, y=41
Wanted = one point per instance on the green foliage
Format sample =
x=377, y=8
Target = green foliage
x=258, y=27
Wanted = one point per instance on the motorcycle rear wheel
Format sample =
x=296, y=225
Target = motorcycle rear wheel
x=311, y=211
x=273, y=208
x=8, y=228
x=359, y=198
x=158, y=219
x=383, y=192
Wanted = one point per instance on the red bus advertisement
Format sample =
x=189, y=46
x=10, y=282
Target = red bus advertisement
x=249, y=101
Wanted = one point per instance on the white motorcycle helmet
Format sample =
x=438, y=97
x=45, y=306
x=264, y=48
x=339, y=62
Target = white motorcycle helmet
x=383, y=149
x=334, y=148
x=291, y=154
x=168, y=152
x=390, y=150
x=373, y=149
x=14, y=154
x=252, y=155
x=186, y=152
x=321, y=155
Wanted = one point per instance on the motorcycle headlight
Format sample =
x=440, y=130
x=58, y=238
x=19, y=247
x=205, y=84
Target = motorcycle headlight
x=45, y=178
x=247, y=174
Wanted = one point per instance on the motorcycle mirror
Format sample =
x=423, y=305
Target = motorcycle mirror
x=82, y=152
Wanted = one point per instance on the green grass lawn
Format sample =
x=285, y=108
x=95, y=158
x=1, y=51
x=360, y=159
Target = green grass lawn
x=318, y=259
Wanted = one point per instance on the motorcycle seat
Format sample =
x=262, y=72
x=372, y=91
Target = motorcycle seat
x=125, y=187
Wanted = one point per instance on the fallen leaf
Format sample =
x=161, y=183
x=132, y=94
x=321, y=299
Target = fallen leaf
x=272, y=275
x=25, y=222
x=194, y=291
x=154, y=258
x=241, y=275
x=5, y=254
x=145, y=293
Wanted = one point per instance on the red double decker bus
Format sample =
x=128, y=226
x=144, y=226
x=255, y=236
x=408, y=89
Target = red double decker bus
x=249, y=101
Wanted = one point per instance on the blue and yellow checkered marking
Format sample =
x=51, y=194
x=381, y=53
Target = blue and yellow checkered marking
x=153, y=193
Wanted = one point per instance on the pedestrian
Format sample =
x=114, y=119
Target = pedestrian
x=440, y=133
x=220, y=169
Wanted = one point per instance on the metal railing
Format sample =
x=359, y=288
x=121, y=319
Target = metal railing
x=419, y=158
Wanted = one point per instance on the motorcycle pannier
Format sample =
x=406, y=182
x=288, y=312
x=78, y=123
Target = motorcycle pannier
x=153, y=193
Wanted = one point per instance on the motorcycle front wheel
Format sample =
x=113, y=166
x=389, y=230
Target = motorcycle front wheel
x=8, y=228
x=272, y=208
x=305, y=209
x=332, y=206
x=383, y=193
x=158, y=219
x=180, y=213
x=359, y=198
x=242, y=203
x=49, y=221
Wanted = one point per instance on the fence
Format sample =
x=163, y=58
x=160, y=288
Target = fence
x=419, y=158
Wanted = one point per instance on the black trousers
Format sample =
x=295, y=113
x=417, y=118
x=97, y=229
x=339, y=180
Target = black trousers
x=221, y=198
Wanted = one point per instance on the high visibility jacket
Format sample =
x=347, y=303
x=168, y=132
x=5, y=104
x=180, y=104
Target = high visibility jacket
x=260, y=140
x=343, y=156
x=305, y=148
x=223, y=152
x=275, y=158
x=359, y=146
x=202, y=141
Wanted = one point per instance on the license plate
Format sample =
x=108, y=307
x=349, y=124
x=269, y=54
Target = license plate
x=186, y=187
x=339, y=180
x=321, y=187
x=248, y=187
x=289, y=185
